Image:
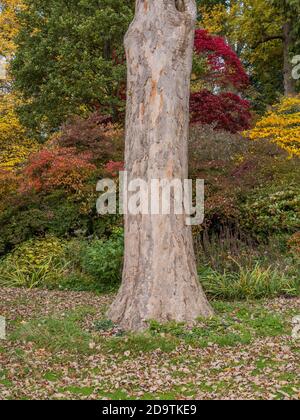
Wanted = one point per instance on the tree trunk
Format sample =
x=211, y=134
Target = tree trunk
x=160, y=279
x=289, y=82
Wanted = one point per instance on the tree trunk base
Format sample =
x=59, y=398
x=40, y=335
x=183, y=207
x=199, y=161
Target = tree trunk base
x=161, y=282
x=182, y=307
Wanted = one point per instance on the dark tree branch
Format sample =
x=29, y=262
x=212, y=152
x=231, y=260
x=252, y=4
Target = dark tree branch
x=267, y=39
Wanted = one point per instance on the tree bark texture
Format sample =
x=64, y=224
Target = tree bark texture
x=160, y=279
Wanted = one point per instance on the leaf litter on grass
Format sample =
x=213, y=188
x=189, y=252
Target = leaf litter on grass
x=245, y=352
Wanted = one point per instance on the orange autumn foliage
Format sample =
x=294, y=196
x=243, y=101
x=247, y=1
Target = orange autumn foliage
x=57, y=168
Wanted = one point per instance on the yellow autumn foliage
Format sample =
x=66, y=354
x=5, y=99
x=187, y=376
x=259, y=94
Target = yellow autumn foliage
x=15, y=147
x=213, y=19
x=9, y=25
x=281, y=125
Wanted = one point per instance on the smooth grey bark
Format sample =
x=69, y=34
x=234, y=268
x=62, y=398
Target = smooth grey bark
x=160, y=278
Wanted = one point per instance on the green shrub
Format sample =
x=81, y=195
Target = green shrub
x=103, y=260
x=52, y=263
x=272, y=210
x=35, y=252
x=17, y=276
x=33, y=215
x=37, y=262
x=249, y=283
x=94, y=265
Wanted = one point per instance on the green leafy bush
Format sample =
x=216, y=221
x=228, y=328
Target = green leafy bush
x=27, y=216
x=94, y=265
x=103, y=260
x=247, y=283
x=31, y=215
x=273, y=210
x=38, y=262
x=79, y=264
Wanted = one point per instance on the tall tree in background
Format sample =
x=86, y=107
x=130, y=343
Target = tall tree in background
x=70, y=59
x=279, y=23
x=264, y=34
x=160, y=278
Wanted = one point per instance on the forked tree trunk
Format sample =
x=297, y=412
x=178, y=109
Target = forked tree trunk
x=160, y=279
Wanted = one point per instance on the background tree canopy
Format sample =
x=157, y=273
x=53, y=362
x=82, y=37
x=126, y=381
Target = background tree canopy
x=70, y=59
x=255, y=29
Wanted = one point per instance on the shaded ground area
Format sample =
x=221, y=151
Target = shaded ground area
x=60, y=346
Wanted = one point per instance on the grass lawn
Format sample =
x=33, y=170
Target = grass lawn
x=60, y=346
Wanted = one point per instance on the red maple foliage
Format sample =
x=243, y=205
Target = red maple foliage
x=113, y=168
x=224, y=65
x=225, y=72
x=59, y=167
x=226, y=110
